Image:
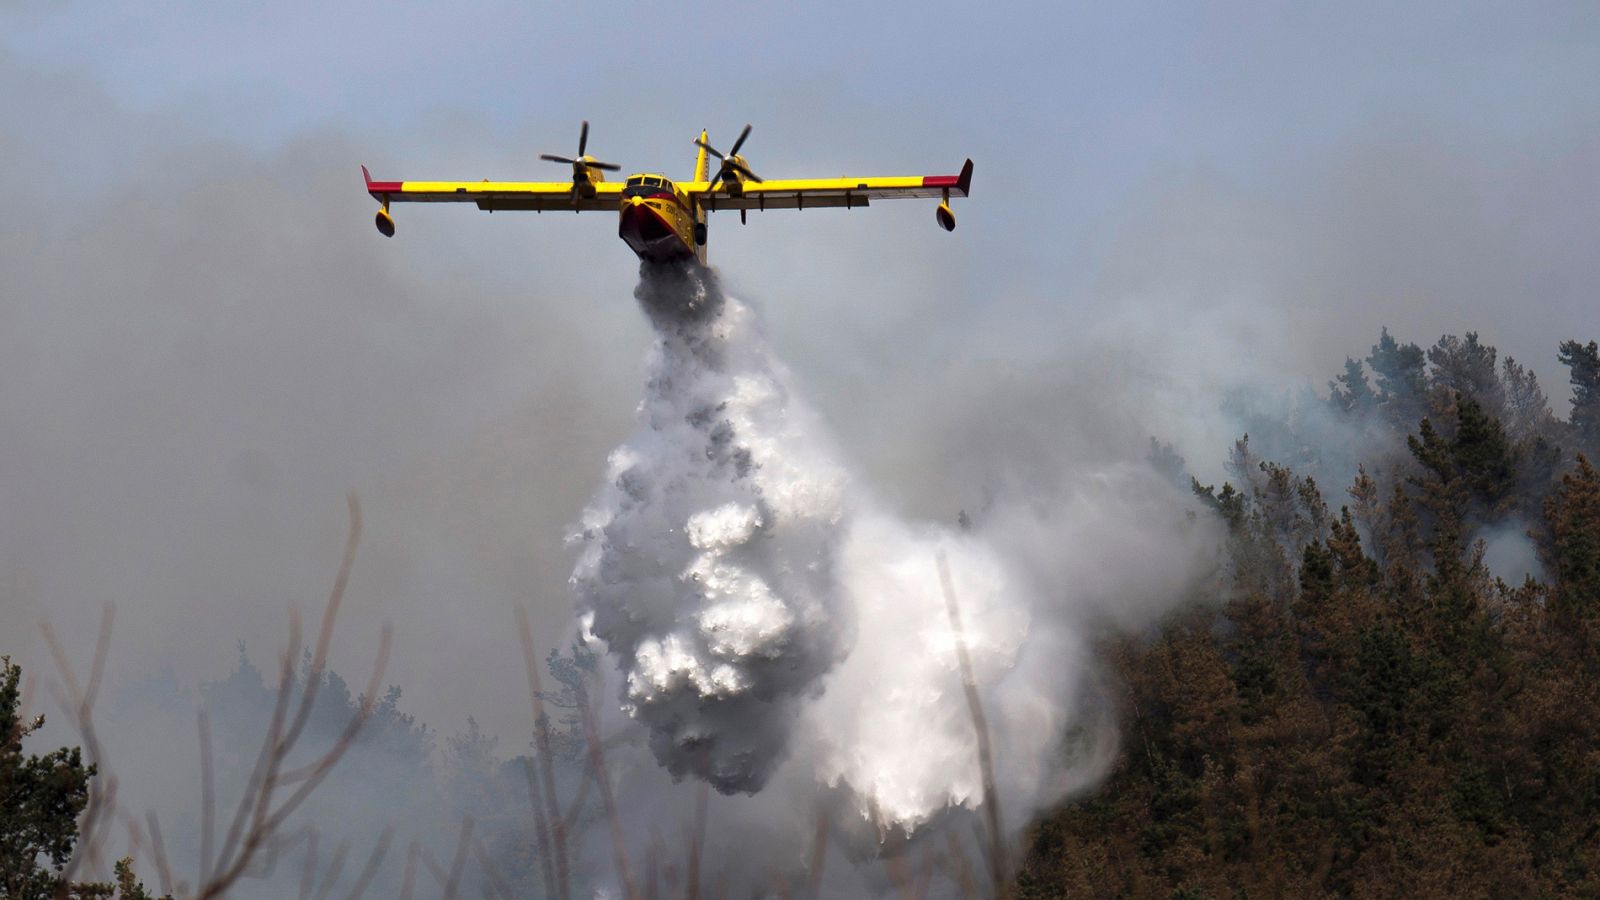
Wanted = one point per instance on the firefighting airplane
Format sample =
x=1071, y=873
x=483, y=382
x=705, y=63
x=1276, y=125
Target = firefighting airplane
x=661, y=220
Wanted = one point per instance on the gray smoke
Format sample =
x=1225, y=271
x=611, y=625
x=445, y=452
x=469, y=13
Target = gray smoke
x=765, y=612
x=706, y=561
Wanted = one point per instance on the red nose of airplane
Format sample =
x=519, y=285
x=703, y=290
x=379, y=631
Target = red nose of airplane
x=650, y=236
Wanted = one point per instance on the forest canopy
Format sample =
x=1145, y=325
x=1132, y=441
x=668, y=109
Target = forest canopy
x=1366, y=707
x=1390, y=686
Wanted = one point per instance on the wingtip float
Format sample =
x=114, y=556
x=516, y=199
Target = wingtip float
x=663, y=220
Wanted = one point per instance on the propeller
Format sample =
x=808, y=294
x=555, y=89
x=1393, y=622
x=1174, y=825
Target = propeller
x=732, y=162
x=584, y=161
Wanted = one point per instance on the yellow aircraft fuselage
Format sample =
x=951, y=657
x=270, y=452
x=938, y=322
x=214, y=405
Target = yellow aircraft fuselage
x=662, y=220
x=657, y=219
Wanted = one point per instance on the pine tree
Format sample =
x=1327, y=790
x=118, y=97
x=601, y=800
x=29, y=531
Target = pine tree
x=1572, y=514
x=1390, y=720
x=1351, y=564
x=1443, y=493
x=1584, y=364
x=1466, y=367
x=1401, y=371
x=1482, y=453
x=1167, y=462
x=1526, y=412
x=41, y=798
x=1228, y=503
x=1351, y=394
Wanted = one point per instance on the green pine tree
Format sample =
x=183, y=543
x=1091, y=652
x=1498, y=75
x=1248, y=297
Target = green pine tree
x=1351, y=394
x=41, y=798
x=1584, y=364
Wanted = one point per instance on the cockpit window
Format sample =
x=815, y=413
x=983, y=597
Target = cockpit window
x=646, y=186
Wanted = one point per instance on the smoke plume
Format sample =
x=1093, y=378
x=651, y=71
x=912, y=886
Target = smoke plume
x=707, y=560
x=761, y=607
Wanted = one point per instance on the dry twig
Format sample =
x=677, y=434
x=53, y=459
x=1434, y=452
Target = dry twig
x=335, y=868
x=980, y=724
x=541, y=828
x=459, y=862
x=819, y=851
x=78, y=703
x=541, y=732
x=261, y=812
x=597, y=762
x=501, y=887
x=371, y=868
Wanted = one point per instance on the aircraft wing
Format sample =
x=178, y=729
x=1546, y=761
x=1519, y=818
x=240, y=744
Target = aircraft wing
x=809, y=193
x=540, y=196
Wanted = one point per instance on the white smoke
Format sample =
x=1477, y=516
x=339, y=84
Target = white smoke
x=765, y=613
x=897, y=731
x=706, y=562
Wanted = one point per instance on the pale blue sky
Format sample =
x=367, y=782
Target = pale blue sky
x=1069, y=108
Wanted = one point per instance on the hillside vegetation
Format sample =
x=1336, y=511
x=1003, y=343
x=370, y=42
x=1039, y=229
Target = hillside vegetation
x=1364, y=709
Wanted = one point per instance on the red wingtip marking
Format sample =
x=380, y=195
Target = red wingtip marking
x=959, y=182
x=376, y=188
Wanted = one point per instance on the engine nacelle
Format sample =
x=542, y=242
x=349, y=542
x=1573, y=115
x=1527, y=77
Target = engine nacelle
x=385, y=223
x=945, y=216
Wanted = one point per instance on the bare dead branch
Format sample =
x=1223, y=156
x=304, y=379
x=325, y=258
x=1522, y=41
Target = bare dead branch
x=460, y=861
x=501, y=888
x=95, y=839
x=208, y=797
x=541, y=732
x=135, y=835
x=541, y=828
x=980, y=724
x=78, y=704
x=819, y=851
x=980, y=838
x=958, y=861
x=409, y=881
x=597, y=761
x=323, y=766
x=335, y=867
x=433, y=867
x=895, y=865
x=308, y=872
x=163, y=867
x=580, y=797
x=97, y=669
x=276, y=845
x=252, y=796
x=371, y=867
x=330, y=613
x=260, y=805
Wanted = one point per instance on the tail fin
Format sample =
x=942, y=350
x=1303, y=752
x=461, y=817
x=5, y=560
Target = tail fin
x=702, y=168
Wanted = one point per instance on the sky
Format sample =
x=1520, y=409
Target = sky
x=204, y=344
